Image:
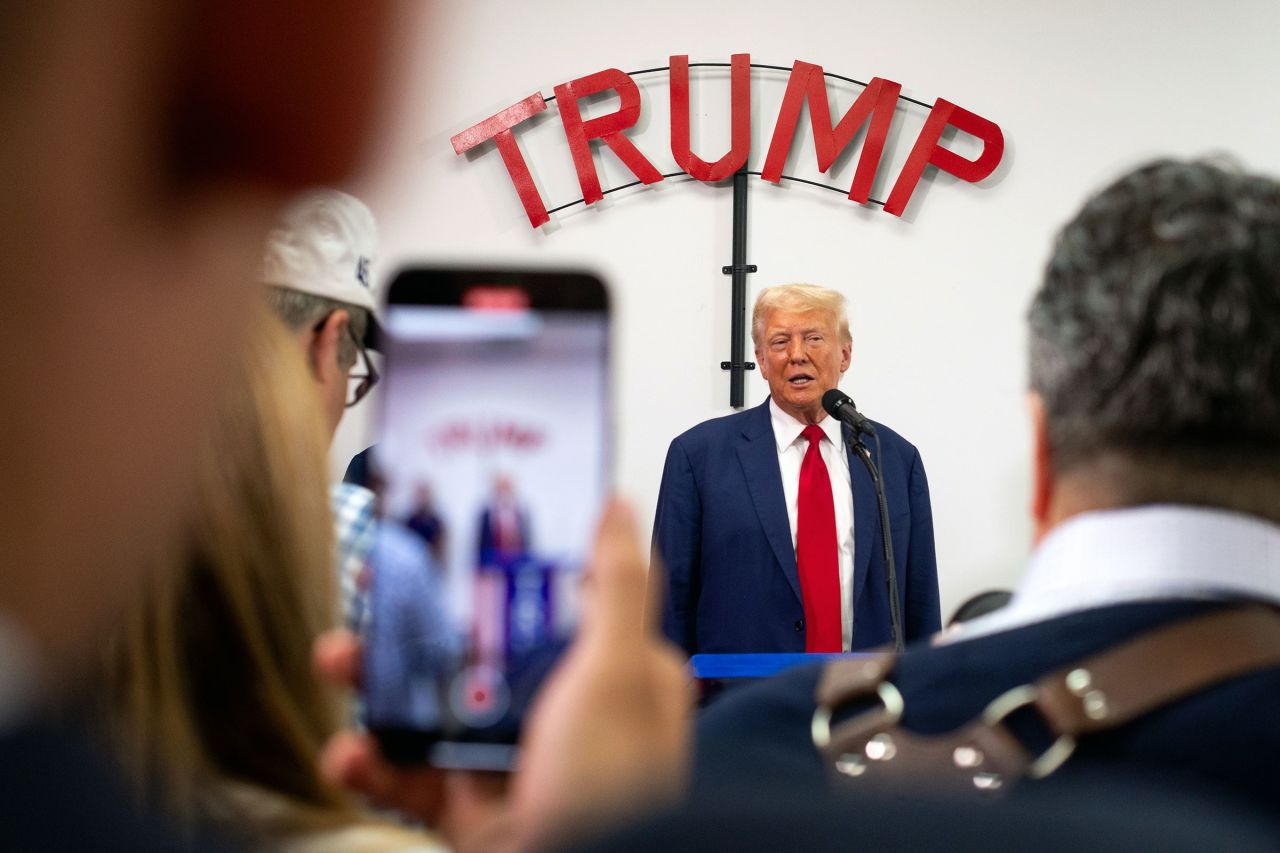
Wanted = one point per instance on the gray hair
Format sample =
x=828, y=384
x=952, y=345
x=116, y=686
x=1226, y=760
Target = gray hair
x=799, y=297
x=300, y=310
x=1155, y=338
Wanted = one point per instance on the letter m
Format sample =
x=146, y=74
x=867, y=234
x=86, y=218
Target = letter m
x=877, y=103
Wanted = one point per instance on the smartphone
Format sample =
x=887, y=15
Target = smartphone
x=490, y=469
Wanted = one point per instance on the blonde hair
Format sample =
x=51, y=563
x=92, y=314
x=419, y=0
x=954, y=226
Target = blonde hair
x=207, y=683
x=799, y=297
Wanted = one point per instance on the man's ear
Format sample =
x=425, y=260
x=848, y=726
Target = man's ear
x=1042, y=477
x=326, y=343
x=762, y=365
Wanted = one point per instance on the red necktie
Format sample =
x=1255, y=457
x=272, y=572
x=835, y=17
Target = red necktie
x=816, y=555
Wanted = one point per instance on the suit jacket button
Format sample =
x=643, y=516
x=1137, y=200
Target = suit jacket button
x=799, y=625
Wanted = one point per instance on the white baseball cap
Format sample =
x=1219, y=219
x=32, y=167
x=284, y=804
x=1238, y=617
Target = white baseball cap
x=323, y=243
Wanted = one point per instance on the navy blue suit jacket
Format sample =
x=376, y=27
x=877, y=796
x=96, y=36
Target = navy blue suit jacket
x=724, y=539
x=1224, y=739
x=488, y=538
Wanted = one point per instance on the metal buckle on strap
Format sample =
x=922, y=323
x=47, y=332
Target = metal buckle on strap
x=1020, y=697
x=891, y=706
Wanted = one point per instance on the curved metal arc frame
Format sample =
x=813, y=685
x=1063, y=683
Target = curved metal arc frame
x=551, y=210
x=901, y=97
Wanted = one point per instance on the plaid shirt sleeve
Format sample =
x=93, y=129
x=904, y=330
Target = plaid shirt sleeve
x=354, y=526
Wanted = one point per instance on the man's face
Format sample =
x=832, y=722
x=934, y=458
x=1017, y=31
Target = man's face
x=802, y=357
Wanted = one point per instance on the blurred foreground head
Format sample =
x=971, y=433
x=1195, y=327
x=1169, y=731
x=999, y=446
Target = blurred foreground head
x=1155, y=346
x=145, y=145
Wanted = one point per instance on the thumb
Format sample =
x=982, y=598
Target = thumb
x=614, y=609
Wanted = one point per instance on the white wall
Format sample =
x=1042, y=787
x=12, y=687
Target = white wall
x=1081, y=91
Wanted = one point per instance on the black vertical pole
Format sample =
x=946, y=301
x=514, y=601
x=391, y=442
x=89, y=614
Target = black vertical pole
x=738, y=364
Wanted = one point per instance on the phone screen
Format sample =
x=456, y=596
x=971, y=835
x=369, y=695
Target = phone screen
x=490, y=471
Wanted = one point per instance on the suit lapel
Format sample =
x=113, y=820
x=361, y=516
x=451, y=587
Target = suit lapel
x=758, y=453
x=866, y=536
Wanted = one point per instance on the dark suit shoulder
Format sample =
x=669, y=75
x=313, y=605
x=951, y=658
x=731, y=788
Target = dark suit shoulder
x=716, y=430
x=759, y=725
x=892, y=442
x=358, y=468
x=951, y=683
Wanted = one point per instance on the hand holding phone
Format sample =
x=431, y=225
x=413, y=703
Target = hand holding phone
x=491, y=467
x=608, y=735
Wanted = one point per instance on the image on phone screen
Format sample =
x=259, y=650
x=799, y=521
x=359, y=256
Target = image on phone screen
x=490, y=469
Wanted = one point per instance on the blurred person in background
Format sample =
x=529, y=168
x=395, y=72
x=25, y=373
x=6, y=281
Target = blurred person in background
x=316, y=268
x=979, y=604
x=425, y=520
x=317, y=271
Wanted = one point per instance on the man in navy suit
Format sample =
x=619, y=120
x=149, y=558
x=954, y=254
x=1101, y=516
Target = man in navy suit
x=733, y=514
x=504, y=525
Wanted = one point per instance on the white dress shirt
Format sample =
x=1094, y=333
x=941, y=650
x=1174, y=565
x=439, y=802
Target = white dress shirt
x=1140, y=554
x=792, y=446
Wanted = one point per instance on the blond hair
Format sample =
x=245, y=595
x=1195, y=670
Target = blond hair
x=207, y=683
x=801, y=298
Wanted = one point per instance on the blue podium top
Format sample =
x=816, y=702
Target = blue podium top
x=757, y=665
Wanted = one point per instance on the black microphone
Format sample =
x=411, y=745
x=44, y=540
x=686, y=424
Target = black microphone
x=841, y=407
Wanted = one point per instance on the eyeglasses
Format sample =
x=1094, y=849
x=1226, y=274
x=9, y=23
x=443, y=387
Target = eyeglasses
x=360, y=384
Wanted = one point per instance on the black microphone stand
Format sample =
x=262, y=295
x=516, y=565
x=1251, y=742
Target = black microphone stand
x=854, y=439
